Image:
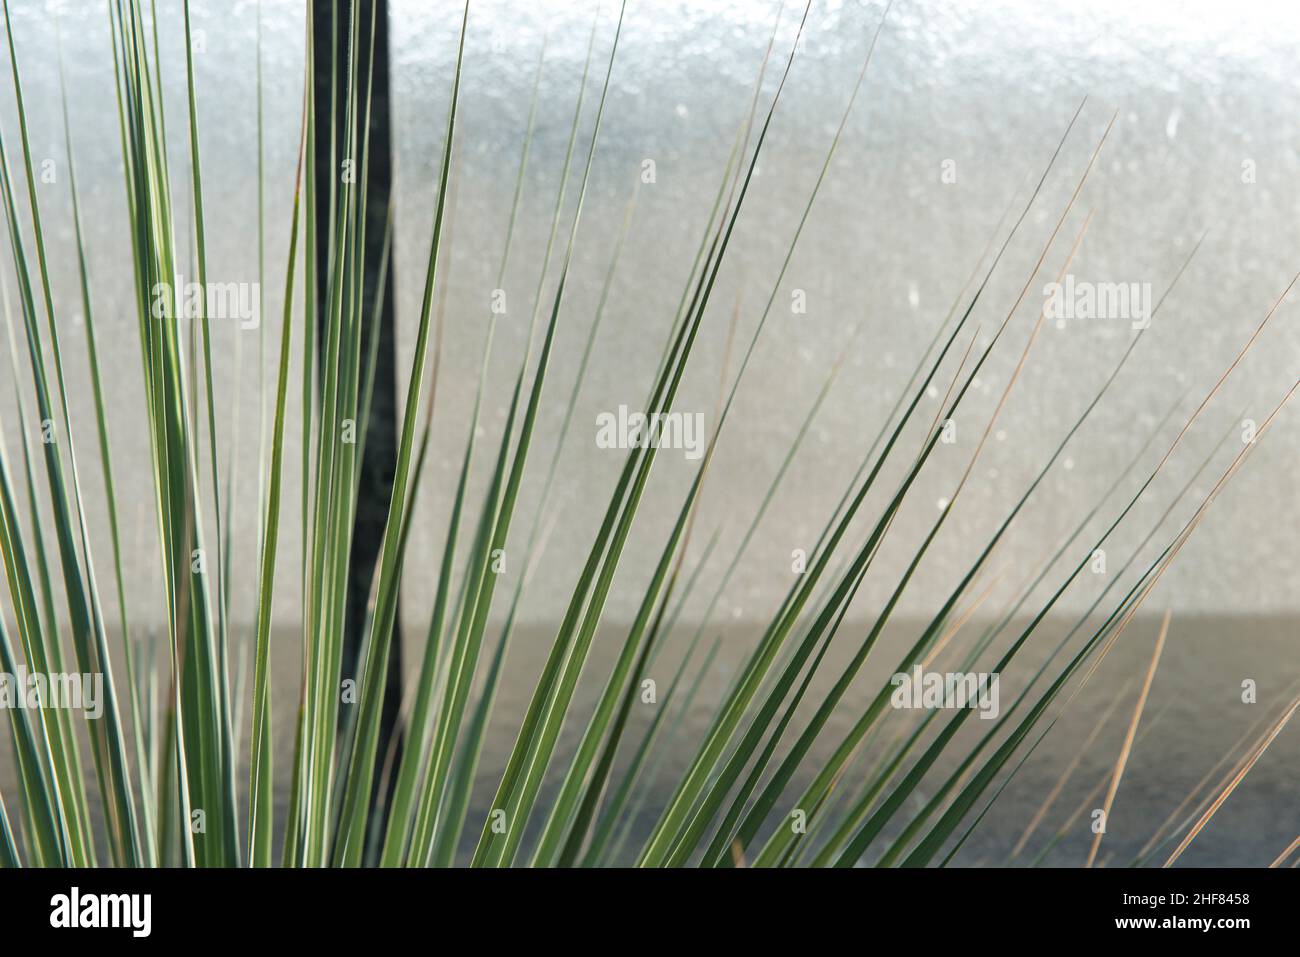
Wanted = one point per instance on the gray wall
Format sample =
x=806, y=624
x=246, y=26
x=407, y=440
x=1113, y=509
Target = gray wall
x=1199, y=90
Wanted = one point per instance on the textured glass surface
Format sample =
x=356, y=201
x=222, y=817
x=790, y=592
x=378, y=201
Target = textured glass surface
x=1202, y=94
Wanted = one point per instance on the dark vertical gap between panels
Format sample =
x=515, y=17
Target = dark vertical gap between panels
x=380, y=455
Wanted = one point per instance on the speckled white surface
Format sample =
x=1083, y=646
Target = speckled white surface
x=1199, y=88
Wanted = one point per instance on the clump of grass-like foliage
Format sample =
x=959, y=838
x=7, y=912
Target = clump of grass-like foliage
x=168, y=742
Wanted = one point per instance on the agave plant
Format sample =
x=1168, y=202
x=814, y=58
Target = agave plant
x=786, y=772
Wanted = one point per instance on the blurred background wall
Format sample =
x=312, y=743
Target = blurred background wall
x=1205, y=98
